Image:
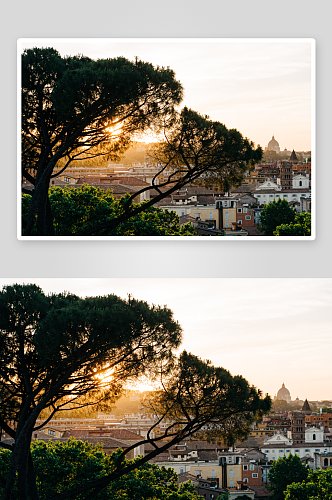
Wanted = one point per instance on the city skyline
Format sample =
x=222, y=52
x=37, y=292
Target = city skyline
x=261, y=87
x=270, y=330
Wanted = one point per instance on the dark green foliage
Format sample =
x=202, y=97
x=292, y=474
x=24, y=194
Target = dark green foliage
x=301, y=226
x=210, y=396
x=274, y=214
x=198, y=148
x=318, y=485
x=52, y=347
x=285, y=471
x=75, y=107
x=60, y=466
x=54, y=350
x=83, y=208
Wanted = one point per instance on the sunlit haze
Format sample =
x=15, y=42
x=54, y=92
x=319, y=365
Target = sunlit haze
x=262, y=87
x=268, y=330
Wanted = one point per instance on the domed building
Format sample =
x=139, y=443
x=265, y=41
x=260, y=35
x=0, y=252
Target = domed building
x=273, y=145
x=284, y=394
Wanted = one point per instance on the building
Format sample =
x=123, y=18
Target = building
x=286, y=176
x=273, y=145
x=306, y=451
x=323, y=460
x=293, y=158
x=313, y=435
x=298, y=427
x=321, y=420
x=252, y=474
x=300, y=181
x=283, y=394
x=245, y=216
x=306, y=410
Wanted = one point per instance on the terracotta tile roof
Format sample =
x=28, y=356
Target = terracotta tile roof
x=253, y=231
x=112, y=433
x=184, y=219
x=162, y=457
x=207, y=456
x=289, y=191
x=260, y=491
x=205, y=200
x=164, y=202
x=129, y=181
x=77, y=433
x=186, y=476
x=116, y=188
x=122, y=434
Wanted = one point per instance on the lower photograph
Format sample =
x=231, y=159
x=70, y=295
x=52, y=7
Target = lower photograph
x=165, y=389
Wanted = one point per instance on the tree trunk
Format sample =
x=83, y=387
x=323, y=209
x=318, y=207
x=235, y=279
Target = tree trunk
x=22, y=470
x=21, y=463
x=40, y=207
x=32, y=482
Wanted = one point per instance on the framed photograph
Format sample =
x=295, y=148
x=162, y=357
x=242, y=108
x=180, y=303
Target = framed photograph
x=166, y=138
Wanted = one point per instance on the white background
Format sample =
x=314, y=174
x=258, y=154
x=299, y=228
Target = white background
x=180, y=18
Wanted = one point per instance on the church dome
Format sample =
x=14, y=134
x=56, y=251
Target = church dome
x=284, y=394
x=273, y=145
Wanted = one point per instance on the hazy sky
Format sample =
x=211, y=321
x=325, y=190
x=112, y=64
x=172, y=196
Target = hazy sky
x=268, y=330
x=262, y=87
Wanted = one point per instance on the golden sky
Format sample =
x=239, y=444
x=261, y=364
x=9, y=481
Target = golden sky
x=262, y=87
x=270, y=330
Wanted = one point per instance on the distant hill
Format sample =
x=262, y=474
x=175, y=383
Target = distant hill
x=137, y=153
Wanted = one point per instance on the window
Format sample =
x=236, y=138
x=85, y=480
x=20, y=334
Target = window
x=197, y=473
x=314, y=437
x=281, y=451
x=196, y=216
x=307, y=450
x=300, y=183
x=271, y=196
x=226, y=215
x=245, y=480
x=231, y=474
x=245, y=467
x=294, y=195
x=181, y=471
x=52, y=433
x=245, y=210
x=258, y=196
x=182, y=212
x=254, y=474
x=239, y=221
x=248, y=217
x=231, y=484
x=273, y=451
x=213, y=474
x=297, y=451
x=239, y=210
x=285, y=195
x=317, y=449
x=226, y=225
x=287, y=451
x=210, y=216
